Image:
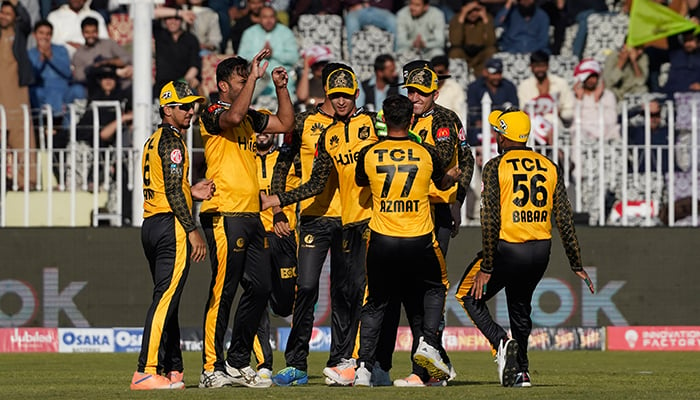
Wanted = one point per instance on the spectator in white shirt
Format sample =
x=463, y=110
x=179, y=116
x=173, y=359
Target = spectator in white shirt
x=66, y=24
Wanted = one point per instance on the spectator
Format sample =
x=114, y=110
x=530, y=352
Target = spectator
x=97, y=53
x=472, y=35
x=18, y=74
x=502, y=92
x=595, y=115
x=33, y=9
x=310, y=86
x=540, y=93
x=452, y=94
x=578, y=12
x=360, y=13
x=659, y=137
x=301, y=7
x=177, y=54
x=684, y=56
x=381, y=85
x=420, y=28
x=246, y=17
x=626, y=71
x=223, y=9
x=525, y=27
x=206, y=27
x=592, y=97
x=280, y=40
x=67, y=24
x=53, y=81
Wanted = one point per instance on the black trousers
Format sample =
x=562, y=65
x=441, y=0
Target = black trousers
x=239, y=255
x=409, y=269
x=317, y=235
x=518, y=268
x=168, y=252
x=283, y=256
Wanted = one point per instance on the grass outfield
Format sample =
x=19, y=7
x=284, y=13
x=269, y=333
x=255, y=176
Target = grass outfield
x=555, y=375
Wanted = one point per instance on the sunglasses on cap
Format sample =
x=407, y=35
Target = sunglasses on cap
x=182, y=107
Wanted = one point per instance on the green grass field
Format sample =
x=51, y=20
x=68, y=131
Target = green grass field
x=555, y=375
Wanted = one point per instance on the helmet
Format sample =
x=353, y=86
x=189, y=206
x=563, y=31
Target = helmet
x=514, y=124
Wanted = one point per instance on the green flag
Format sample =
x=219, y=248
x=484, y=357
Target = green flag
x=650, y=21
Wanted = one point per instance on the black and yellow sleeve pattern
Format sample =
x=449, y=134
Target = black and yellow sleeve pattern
x=490, y=213
x=174, y=172
x=563, y=215
x=322, y=166
x=288, y=152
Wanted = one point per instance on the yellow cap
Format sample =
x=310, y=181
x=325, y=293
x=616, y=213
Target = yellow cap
x=514, y=125
x=341, y=81
x=178, y=92
x=423, y=79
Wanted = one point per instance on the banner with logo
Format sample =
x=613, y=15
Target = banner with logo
x=87, y=340
x=320, y=338
x=654, y=338
x=28, y=340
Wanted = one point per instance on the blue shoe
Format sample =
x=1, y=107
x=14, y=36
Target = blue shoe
x=290, y=376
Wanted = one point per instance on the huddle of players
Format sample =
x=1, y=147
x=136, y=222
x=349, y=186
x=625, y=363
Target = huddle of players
x=381, y=207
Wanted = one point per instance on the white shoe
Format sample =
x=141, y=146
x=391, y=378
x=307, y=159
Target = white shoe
x=453, y=373
x=429, y=358
x=265, y=373
x=214, y=379
x=379, y=376
x=246, y=376
x=362, y=376
x=507, y=360
x=342, y=374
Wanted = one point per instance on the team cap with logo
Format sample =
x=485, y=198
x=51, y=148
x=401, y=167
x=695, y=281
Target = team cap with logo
x=420, y=75
x=178, y=92
x=341, y=81
x=513, y=124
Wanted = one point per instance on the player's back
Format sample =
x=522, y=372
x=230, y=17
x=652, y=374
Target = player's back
x=399, y=172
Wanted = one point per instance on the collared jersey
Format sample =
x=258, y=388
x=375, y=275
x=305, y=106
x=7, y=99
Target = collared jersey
x=442, y=128
x=165, y=165
x=266, y=164
x=400, y=173
x=230, y=158
x=522, y=192
x=338, y=149
x=304, y=138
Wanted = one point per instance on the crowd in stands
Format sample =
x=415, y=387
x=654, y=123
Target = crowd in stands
x=71, y=58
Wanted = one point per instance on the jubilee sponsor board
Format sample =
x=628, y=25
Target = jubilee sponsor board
x=28, y=340
x=87, y=340
x=654, y=338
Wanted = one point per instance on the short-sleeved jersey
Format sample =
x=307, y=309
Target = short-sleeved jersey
x=165, y=165
x=338, y=148
x=523, y=191
x=442, y=128
x=266, y=164
x=230, y=158
x=400, y=173
x=308, y=126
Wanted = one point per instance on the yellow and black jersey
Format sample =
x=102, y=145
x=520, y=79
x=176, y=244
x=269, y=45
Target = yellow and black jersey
x=165, y=165
x=302, y=144
x=230, y=158
x=338, y=148
x=266, y=164
x=522, y=191
x=399, y=173
x=442, y=128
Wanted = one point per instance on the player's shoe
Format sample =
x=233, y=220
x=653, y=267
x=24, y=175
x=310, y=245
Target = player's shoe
x=412, y=380
x=522, y=379
x=379, y=376
x=214, y=379
x=453, y=373
x=175, y=376
x=265, y=373
x=246, y=376
x=290, y=376
x=436, y=382
x=362, y=376
x=143, y=381
x=342, y=374
x=429, y=358
x=507, y=360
